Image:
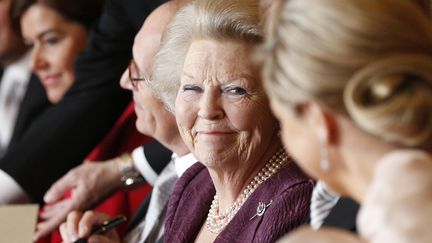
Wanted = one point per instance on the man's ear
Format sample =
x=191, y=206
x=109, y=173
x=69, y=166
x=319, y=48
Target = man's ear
x=321, y=121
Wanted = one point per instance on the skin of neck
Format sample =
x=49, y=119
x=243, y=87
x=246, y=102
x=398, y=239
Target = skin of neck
x=360, y=153
x=175, y=143
x=230, y=182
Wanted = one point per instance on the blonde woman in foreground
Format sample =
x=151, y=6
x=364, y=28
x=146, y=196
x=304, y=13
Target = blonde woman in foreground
x=351, y=83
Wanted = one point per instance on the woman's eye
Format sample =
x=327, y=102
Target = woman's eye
x=190, y=87
x=51, y=41
x=236, y=91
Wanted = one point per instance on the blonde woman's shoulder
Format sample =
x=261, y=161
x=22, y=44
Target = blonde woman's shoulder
x=398, y=204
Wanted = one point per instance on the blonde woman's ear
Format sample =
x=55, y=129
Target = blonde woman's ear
x=324, y=126
x=321, y=121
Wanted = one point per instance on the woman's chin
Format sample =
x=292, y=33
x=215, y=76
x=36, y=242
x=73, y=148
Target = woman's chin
x=54, y=97
x=211, y=158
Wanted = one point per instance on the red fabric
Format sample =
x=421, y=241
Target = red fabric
x=122, y=138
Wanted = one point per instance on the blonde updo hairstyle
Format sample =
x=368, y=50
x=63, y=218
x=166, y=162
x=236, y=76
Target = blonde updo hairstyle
x=370, y=60
x=228, y=20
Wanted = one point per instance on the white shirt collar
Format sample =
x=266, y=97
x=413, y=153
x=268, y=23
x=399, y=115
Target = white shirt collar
x=183, y=163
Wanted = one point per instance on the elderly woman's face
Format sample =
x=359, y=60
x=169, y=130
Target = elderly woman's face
x=221, y=108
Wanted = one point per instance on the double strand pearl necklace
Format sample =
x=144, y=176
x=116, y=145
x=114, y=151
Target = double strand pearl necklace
x=217, y=221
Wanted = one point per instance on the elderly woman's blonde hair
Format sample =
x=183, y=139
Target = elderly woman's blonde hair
x=371, y=60
x=228, y=20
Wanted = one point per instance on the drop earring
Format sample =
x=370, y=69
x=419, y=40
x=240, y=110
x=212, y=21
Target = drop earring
x=325, y=162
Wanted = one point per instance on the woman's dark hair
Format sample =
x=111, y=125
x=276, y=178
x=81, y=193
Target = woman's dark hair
x=84, y=12
x=425, y=5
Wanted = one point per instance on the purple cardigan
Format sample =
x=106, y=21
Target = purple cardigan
x=289, y=189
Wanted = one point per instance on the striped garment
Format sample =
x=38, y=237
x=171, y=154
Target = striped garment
x=323, y=200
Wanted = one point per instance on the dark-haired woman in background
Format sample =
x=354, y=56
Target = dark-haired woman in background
x=56, y=31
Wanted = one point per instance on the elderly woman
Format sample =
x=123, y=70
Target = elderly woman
x=351, y=83
x=246, y=188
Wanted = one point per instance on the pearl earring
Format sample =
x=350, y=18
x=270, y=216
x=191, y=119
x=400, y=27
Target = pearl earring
x=325, y=162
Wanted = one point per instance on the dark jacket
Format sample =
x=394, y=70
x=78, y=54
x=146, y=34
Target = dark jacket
x=33, y=104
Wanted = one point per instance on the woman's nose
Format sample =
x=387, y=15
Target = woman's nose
x=210, y=107
x=37, y=61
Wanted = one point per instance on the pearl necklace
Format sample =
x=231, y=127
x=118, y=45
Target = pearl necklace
x=216, y=221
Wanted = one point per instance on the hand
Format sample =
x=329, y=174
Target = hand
x=90, y=183
x=78, y=225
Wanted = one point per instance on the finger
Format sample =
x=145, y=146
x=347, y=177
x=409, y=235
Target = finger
x=58, y=189
x=101, y=239
x=54, y=209
x=45, y=227
x=112, y=234
x=72, y=222
x=64, y=233
x=89, y=220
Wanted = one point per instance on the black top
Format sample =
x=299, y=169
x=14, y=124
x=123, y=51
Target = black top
x=33, y=104
x=343, y=215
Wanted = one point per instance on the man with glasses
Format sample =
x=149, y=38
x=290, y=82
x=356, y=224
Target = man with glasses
x=153, y=120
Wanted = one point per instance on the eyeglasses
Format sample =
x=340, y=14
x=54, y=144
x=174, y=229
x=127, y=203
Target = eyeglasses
x=134, y=74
